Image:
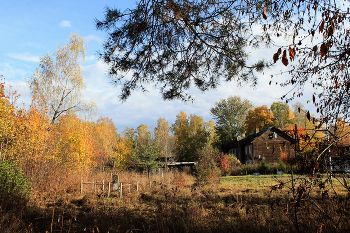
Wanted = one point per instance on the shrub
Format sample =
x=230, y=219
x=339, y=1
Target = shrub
x=282, y=167
x=12, y=180
x=263, y=167
x=249, y=169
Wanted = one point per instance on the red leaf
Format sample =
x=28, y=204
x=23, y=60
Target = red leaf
x=321, y=26
x=284, y=58
x=291, y=53
x=285, y=61
x=323, y=49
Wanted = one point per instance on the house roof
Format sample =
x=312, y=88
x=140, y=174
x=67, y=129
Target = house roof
x=250, y=138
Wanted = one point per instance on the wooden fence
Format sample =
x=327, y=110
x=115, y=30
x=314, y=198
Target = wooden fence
x=115, y=185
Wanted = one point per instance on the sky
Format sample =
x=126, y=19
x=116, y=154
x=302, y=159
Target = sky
x=32, y=29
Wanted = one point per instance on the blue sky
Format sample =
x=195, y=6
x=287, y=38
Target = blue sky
x=31, y=29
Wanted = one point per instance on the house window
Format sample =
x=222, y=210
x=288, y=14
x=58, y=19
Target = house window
x=250, y=149
x=246, y=150
x=232, y=152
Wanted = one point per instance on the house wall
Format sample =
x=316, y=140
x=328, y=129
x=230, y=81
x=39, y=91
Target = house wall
x=270, y=145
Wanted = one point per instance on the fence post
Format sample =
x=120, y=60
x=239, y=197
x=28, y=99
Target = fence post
x=109, y=188
x=137, y=186
x=103, y=185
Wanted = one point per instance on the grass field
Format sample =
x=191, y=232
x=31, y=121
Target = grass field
x=174, y=202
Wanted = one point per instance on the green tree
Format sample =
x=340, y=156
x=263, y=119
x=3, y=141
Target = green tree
x=282, y=113
x=58, y=83
x=12, y=180
x=229, y=115
x=147, y=156
x=177, y=43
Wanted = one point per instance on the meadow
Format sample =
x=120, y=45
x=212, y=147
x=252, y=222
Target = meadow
x=176, y=202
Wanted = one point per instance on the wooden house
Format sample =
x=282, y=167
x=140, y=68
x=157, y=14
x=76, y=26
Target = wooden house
x=267, y=144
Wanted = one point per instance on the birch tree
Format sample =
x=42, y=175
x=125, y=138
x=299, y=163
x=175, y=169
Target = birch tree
x=57, y=84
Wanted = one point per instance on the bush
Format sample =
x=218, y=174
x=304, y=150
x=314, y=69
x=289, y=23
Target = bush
x=249, y=169
x=282, y=167
x=12, y=180
x=263, y=167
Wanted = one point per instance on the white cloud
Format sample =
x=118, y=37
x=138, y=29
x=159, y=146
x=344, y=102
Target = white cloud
x=90, y=58
x=65, y=24
x=146, y=108
x=24, y=57
x=93, y=37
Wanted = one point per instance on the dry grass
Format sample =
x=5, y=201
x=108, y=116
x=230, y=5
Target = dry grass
x=172, y=202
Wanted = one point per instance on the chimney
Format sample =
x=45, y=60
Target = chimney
x=256, y=130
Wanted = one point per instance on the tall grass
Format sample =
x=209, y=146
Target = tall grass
x=174, y=202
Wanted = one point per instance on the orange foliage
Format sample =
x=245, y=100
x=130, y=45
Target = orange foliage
x=224, y=163
x=260, y=117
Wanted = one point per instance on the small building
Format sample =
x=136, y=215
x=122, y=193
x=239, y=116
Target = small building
x=183, y=166
x=268, y=144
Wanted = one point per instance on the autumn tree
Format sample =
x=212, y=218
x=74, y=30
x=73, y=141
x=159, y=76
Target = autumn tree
x=131, y=134
x=105, y=137
x=229, y=115
x=300, y=115
x=164, y=138
x=197, y=137
x=213, y=137
x=58, y=82
x=282, y=113
x=143, y=137
x=191, y=136
x=180, y=129
x=259, y=118
x=74, y=148
x=124, y=152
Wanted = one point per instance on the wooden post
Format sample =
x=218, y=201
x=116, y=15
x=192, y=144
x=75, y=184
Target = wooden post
x=137, y=186
x=121, y=189
x=109, y=189
x=95, y=186
x=103, y=185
